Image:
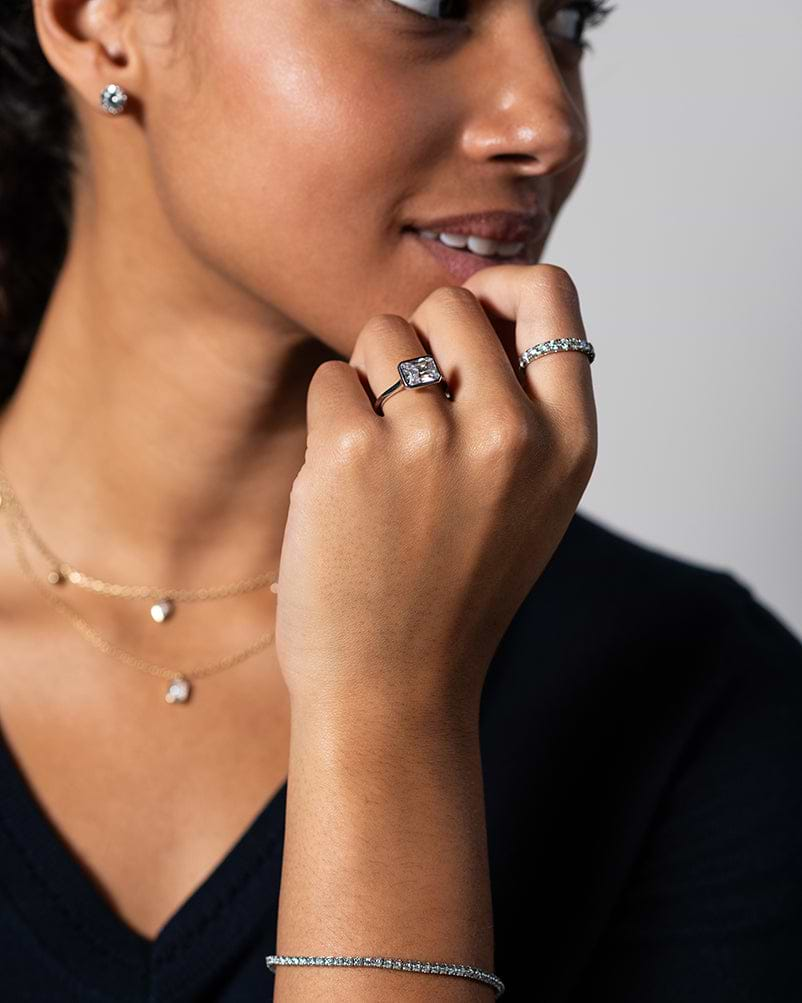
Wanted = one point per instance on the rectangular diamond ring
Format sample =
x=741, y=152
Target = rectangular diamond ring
x=414, y=373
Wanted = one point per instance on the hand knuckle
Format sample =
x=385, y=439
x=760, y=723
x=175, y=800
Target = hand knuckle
x=426, y=438
x=382, y=322
x=552, y=277
x=353, y=445
x=452, y=297
x=326, y=373
x=588, y=454
x=507, y=434
x=580, y=449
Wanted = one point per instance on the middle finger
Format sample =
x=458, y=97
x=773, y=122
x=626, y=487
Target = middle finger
x=457, y=332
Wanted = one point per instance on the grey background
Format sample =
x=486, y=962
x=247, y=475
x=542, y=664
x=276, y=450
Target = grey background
x=683, y=237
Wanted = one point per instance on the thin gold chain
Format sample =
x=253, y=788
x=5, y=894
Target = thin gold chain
x=61, y=570
x=106, y=646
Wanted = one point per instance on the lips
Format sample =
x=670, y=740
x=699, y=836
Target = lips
x=461, y=264
x=497, y=224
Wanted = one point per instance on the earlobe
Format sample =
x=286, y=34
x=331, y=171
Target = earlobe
x=80, y=39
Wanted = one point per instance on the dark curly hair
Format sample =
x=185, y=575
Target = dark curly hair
x=37, y=130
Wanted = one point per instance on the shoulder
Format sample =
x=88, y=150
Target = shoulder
x=624, y=569
x=652, y=708
x=679, y=661
x=622, y=641
x=636, y=594
x=712, y=906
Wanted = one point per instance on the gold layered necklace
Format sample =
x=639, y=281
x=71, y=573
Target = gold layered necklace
x=163, y=600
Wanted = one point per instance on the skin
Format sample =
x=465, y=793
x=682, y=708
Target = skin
x=237, y=279
x=266, y=196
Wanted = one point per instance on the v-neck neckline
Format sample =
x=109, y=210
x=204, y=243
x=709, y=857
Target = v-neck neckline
x=72, y=921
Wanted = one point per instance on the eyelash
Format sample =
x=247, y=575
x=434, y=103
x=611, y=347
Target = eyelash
x=592, y=12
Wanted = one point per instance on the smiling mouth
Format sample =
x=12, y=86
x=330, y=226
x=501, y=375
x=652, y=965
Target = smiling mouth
x=462, y=262
x=480, y=247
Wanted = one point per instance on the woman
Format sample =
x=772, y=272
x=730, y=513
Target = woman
x=259, y=620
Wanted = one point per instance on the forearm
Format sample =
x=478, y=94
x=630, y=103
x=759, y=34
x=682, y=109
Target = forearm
x=385, y=854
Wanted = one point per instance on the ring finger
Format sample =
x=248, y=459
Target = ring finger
x=541, y=304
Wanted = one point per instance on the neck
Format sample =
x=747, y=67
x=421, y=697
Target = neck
x=161, y=419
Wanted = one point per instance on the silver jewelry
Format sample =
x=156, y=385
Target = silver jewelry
x=418, y=372
x=113, y=99
x=556, y=345
x=398, y=964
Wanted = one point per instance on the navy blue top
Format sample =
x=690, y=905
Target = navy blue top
x=641, y=734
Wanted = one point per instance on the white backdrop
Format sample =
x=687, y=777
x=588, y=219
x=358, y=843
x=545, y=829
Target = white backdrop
x=684, y=238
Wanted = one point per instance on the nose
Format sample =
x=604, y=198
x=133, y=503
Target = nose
x=522, y=105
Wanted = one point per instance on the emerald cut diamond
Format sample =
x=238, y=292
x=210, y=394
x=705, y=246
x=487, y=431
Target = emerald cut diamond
x=418, y=372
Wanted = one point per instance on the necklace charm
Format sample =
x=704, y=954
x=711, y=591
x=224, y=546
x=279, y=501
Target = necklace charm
x=178, y=691
x=160, y=611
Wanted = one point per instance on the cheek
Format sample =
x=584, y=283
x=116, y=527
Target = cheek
x=288, y=167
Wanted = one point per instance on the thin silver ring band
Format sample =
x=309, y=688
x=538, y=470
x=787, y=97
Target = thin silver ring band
x=556, y=345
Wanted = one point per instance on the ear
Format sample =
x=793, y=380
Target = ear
x=90, y=43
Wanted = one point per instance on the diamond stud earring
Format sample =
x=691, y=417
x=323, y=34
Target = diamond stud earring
x=113, y=99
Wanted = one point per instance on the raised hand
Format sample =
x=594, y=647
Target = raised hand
x=413, y=537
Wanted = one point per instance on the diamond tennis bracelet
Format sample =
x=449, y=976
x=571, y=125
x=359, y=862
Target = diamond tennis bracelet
x=397, y=964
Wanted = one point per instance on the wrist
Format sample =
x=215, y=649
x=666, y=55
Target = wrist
x=431, y=698
x=379, y=719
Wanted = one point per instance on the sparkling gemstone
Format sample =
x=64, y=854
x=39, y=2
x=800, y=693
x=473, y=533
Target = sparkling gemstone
x=178, y=691
x=161, y=610
x=113, y=99
x=418, y=372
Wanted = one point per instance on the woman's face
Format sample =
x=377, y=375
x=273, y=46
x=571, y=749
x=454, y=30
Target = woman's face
x=293, y=142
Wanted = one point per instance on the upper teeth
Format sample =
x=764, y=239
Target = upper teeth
x=479, y=245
